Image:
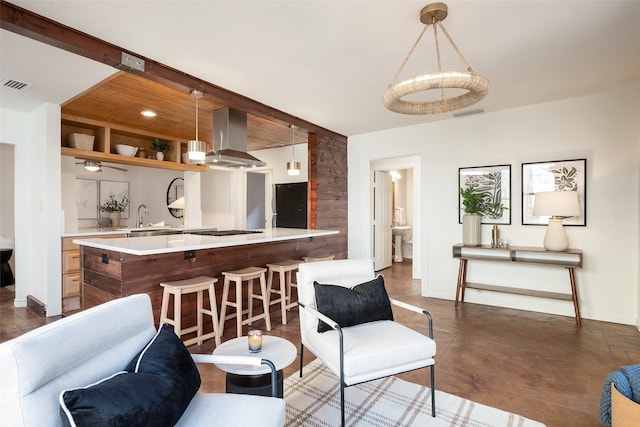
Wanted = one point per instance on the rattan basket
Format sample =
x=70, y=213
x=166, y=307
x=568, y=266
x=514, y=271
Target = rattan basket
x=81, y=141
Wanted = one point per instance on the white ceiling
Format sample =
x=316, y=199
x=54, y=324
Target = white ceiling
x=328, y=62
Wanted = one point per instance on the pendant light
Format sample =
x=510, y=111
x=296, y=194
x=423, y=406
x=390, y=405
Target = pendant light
x=196, y=149
x=293, y=167
x=475, y=85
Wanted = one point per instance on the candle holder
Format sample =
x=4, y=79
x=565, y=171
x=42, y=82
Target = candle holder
x=255, y=340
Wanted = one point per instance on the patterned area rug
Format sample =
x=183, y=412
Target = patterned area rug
x=314, y=401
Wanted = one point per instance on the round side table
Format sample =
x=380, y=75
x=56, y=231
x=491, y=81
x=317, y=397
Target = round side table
x=256, y=380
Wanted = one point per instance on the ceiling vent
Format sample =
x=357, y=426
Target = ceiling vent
x=14, y=84
x=463, y=113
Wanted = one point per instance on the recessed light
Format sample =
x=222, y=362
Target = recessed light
x=148, y=113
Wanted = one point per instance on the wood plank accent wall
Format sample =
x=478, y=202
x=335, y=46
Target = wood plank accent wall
x=328, y=189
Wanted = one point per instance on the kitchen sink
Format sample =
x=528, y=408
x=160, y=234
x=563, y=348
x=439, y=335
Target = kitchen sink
x=154, y=232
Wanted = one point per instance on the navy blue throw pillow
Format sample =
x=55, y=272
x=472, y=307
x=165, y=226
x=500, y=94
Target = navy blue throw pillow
x=155, y=389
x=366, y=302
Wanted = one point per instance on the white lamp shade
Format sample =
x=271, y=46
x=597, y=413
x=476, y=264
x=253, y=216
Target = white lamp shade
x=556, y=203
x=177, y=204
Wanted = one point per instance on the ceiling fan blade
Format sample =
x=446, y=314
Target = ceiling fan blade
x=115, y=167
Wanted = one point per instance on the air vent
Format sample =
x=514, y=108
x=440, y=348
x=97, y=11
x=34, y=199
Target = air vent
x=468, y=112
x=14, y=84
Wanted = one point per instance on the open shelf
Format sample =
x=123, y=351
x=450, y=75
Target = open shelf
x=107, y=136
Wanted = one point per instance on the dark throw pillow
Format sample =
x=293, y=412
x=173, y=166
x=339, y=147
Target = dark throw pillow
x=366, y=302
x=155, y=389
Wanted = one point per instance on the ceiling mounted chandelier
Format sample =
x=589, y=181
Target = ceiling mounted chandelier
x=196, y=149
x=475, y=84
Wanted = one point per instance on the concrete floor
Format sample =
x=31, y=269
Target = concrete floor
x=538, y=365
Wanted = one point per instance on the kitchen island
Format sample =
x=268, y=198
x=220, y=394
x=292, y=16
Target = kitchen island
x=117, y=267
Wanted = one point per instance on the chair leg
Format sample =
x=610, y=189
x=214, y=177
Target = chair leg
x=283, y=298
x=342, y=403
x=301, y=357
x=265, y=301
x=239, y=307
x=433, y=391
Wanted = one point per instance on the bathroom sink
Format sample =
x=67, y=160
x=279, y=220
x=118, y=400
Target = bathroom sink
x=400, y=230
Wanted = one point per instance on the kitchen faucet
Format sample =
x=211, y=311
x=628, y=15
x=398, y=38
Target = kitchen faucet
x=140, y=218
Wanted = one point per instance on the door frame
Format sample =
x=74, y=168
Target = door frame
x=406, y=162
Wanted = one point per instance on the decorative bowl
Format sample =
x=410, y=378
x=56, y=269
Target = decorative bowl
x=126, y=150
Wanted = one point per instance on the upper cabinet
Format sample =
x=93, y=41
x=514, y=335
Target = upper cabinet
x=107, y=136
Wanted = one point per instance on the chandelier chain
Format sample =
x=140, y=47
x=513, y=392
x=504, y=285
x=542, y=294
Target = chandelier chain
x=453, y=44
x=435, y=36
x=408, y=55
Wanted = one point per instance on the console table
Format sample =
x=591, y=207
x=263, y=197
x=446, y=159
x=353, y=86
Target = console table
x=569, y=259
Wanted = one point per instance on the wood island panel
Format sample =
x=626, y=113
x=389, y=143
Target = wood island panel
x=126, y=274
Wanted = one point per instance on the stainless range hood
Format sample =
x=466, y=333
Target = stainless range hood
x=230, y=141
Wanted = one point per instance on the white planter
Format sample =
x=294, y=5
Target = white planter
x=115, y=218
x=472, y=230
x=160, y=155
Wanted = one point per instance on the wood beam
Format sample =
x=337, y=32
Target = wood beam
x=31, y=25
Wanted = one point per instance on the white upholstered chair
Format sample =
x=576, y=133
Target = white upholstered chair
x=361, y=352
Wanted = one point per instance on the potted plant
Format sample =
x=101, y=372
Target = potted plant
x=476, y=205
x=114, y=208
x=159, y=145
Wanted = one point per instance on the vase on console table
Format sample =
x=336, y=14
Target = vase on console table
x=471, y=229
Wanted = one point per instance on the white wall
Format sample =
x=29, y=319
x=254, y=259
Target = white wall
x=277, y=158
x=38, y=219
x=604, y=129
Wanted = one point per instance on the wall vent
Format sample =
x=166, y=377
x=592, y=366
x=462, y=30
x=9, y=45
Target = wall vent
x=14, y=84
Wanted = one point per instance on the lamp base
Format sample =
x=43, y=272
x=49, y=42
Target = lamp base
x=556, y=238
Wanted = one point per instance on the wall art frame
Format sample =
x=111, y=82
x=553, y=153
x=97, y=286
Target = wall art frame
x=494, y=182
x=118, y=189
x=554, y=175
x=87, y=198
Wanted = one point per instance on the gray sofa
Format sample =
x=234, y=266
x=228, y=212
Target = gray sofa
x=84, y=348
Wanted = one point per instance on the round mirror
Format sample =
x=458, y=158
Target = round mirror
x=174, y=192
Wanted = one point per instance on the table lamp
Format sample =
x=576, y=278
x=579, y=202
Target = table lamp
x=557, y=205
x=178, y=204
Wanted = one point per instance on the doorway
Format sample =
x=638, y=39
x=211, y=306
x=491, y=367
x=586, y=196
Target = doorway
x=410, y=201
x=258, y=202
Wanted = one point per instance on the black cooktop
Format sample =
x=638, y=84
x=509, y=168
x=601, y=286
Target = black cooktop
x=223, y=232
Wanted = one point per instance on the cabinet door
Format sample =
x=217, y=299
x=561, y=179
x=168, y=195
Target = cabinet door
x=70, y=262
x=70, y=285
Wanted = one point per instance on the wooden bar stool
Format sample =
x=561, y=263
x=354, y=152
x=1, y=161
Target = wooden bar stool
x=318, y=258
x=284, y=269
x=188, y=286
x=238, y=276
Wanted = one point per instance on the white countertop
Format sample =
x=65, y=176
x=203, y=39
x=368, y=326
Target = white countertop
x=151, y=245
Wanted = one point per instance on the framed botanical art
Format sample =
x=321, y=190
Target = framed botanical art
x=556, y=175
x=120, y=192
x=87, y=198
x=494, y=183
